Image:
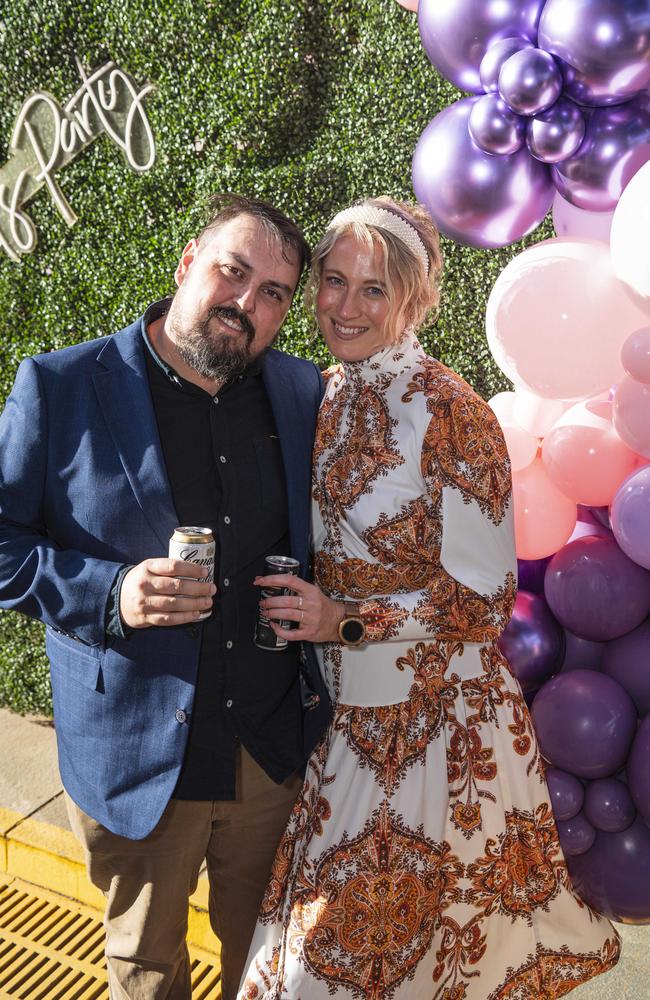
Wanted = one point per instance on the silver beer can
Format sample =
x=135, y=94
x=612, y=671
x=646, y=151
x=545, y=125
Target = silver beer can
x=264, y=636
x=195, y=545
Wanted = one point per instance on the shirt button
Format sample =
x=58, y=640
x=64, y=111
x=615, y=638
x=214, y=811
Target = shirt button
x=215, y=400
x=229, y=644
x=222, y=458
x=229, y=703
x=226, y=582
x=226, y=519
x=181, y=716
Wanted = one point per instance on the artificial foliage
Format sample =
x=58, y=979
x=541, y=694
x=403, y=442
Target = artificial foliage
x=310, y=105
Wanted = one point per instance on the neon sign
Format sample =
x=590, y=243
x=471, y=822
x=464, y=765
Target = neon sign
x=47, y=136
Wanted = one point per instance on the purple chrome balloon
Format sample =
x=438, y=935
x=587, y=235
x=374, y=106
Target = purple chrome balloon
x=627, y=661
x=533, y=642
x=530, y=81
x=631, y=516
x=595, y=591
x=531, y=574
x=457, y=35
x=494, y=127
x=615, y=146
x=614, y=876
x=582, y=654
x=585, y=723
x=494, y=59
x=608, y=805
x=604, y=45
x=576, y=835
x=638, y=770
x=474, y=197
x=567, y=794
x=556, y=133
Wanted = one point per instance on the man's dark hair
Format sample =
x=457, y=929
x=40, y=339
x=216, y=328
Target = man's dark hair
x=224, y=207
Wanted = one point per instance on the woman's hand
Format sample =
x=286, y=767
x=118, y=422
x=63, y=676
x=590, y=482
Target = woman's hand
x=318, y=616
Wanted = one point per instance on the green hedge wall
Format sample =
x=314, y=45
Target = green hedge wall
x=308, y=104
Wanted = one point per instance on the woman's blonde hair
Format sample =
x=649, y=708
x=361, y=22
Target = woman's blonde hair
x=411, y=292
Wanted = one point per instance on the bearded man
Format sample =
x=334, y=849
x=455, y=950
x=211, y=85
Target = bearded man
x=179, y=739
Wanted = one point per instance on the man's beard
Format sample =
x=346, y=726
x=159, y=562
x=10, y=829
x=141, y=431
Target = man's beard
x=221, y=356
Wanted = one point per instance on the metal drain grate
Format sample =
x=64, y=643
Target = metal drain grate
x=53, y=949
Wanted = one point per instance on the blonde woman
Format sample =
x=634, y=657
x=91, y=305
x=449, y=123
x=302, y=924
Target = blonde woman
x=421, y=859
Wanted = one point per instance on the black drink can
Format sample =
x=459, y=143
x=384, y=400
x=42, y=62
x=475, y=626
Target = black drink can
x=264, y=636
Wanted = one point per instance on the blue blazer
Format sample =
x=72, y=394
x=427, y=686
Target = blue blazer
x=83, y=490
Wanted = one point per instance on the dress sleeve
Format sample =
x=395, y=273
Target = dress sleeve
x=466, y=536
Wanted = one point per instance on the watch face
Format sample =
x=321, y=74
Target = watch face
x=352, y=630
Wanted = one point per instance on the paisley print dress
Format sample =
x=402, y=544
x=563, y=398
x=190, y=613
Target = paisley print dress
x=421, y=859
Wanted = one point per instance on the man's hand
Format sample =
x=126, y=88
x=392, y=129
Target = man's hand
x=154, y=593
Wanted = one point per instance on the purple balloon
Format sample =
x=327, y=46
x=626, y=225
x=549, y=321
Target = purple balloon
x=615, y=146
x=614, y=876
x=582, y=529
x=531, y=574
x=585, y=723
x=566, y=793
x=530, y=81
x=576, y=835
x=631, y=516
x=608, y=805
x=474, y=197
x=627, y=661
x=604, y=44
x=595, y=591
x=556, y=133
x=457, y=35
x=582, y=654
x=594, y=515
x=638, y=770
x=494, y=127
x=494, y=59
x=533, y=642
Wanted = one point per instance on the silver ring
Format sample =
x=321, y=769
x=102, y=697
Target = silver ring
x=300, y=601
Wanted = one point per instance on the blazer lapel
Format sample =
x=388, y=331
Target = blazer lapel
x=123, y=392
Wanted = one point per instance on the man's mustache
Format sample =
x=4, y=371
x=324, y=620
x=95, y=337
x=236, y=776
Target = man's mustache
x=230, y=312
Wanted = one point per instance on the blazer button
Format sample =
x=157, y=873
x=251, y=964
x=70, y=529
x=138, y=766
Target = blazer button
x=181, y=716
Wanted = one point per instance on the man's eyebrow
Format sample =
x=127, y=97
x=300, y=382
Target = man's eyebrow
x=248, y=267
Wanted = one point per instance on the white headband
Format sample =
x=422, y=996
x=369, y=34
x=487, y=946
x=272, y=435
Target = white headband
x=382, y=218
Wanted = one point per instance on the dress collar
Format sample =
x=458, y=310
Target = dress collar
x=387, y=364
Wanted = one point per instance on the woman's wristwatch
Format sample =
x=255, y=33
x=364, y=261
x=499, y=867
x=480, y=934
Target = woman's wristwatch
x=352, y=631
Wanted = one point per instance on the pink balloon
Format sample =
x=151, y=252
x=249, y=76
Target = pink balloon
x=584, y=456
x=535, y=414
x=632, y=414
x=502, y=406
x=522, y=446
x=409, y=4
x=557, y=318
x=629, y=237
x=568, y=220
x=544, y=516
x=635, y=355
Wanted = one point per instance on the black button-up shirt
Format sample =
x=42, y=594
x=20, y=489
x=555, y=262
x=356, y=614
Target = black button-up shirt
x=225, y=470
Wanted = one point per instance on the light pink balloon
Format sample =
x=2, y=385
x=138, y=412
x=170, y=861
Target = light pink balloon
x=409, y=4
x=632, y=414
x=502, y=406
x=535, y=414
x=629, y=237
x=584, y=456
x=569, y=220
x=557, y=318
x=635, y=355
x=544, y=516
x=522, y=446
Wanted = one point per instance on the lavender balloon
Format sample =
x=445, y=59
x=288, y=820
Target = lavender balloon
x=457, y=35
x=567, y=794
x=615, y=146
x=582, y=654
x=533, y=642
x=595, y=591
x=631, y=516
x=638, y=770
x=476, y=198
x=614, y=876
x=585, y=723
x=494, y=59
x=576, y=835
x=530, y=81
x=494, y=127
x=608, y=805
x=604, y=44
x=627, y=661
x=557, y=133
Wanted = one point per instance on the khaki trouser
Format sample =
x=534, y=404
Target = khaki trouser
x=147, y=883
